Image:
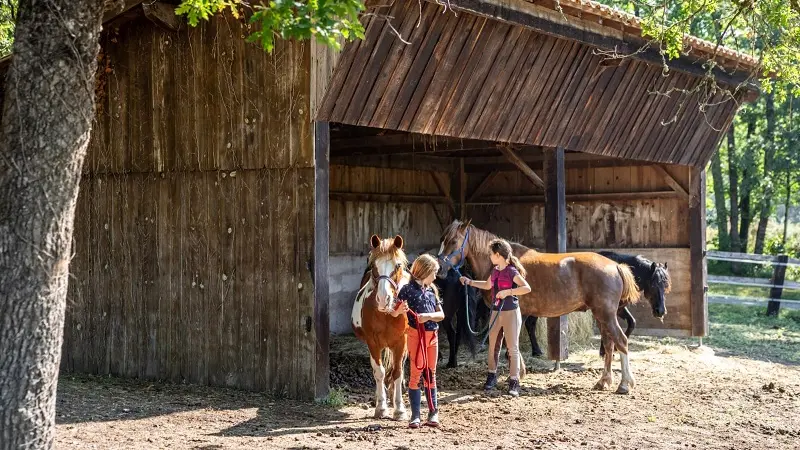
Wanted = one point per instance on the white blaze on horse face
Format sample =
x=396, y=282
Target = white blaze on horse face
x=441, y=249
x=386, y=267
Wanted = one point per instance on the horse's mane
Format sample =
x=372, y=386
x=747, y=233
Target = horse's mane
x=477, y=237
x=387, y=249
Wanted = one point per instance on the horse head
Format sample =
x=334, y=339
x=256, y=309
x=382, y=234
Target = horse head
x=660, y=285
x=387, y=263
x=454, y=247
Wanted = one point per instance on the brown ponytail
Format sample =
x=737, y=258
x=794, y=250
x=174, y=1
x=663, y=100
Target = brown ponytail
x=518, y=265
x=503, y=248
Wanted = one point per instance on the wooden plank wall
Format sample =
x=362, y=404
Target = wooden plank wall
x=623, y=223
x=195, y=222
x=353, y=222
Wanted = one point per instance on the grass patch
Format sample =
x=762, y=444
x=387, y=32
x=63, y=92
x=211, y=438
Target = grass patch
x=747, y=331
x=336, y=398
x=749, y=291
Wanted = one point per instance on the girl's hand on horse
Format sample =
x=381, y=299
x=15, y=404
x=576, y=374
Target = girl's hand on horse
x=402, y=308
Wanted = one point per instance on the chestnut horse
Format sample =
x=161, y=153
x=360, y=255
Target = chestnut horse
x=384, y=334
x=562, y=283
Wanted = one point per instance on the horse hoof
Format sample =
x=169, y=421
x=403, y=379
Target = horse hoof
x=600, y=386
x=537, y=353
x=400, y=415
x=452, y=365
x=381, y=413
x=622, y=390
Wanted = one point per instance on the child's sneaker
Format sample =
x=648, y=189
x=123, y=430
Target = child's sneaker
x=513, y=387
x=491, y=381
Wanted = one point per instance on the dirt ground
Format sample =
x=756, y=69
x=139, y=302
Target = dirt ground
x=685, y=398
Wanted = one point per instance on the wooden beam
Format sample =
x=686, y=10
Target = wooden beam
x=671, y=181
x=501, y=164
x=114, y=9
x=162, y=15
x=386, y=198
x=321, y=255
x=522, y=166
x=554, y=24
x=443, y=189
x=484, y=184
x=403, y=162
x=575, y=198
x=697, y=252
x=462, y=192
x=555, y=233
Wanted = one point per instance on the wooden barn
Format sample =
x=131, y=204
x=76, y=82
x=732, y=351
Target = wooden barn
x=228, y=195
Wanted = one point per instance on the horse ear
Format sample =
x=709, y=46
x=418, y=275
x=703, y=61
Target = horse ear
x=653, y=267
x=375, y=241
x=466, y=224
x=398, y=241
x=665, y=266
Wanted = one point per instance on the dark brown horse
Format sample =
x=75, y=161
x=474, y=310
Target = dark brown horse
x=562, y=283
x=373, y=323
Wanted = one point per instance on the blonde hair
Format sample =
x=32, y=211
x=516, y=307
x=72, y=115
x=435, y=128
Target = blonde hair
x=423, y=267
x=503, y=248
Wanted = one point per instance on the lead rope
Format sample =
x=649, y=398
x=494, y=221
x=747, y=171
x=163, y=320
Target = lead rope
x=422, y=351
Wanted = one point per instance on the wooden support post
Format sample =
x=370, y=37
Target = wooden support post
x=321, y=251
x=512, y=156
x=555, y=223
x=462, y=192
x=697, y=251
x=778, y=277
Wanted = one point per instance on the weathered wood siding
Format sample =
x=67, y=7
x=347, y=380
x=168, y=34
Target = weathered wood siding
x=353, y=222
x=640, y=223
x=195, y=223
x=474, y=77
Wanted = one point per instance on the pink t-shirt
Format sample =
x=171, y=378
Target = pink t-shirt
x=502, y=280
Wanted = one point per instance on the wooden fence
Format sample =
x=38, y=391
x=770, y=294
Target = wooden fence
x=777, y=283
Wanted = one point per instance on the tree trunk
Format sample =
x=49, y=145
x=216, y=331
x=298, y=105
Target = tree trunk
x=788, y=202
x=769, y=166
x=747, y=187
x=47, y=120
x=719, y=202
x=786, y=205
x=733, y=186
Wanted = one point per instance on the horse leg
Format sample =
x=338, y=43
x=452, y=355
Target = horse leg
x=451, y=332
x=620, y=341
x=398, y=362
x=380, y=390
x=530, y=326
x=607, y=378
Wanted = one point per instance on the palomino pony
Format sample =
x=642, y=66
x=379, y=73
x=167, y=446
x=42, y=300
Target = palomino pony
x=384, y=334
x=561, y=283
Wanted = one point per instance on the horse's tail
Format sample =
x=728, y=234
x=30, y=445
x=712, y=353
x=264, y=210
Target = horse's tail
x=387, y=357
x=630, y=291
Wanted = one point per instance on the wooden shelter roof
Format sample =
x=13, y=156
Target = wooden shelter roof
x=502, y=70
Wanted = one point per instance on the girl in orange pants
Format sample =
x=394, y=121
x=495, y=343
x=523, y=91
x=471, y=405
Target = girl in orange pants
x=422, y=305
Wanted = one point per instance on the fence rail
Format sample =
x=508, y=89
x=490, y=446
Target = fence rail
x=776, y=284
